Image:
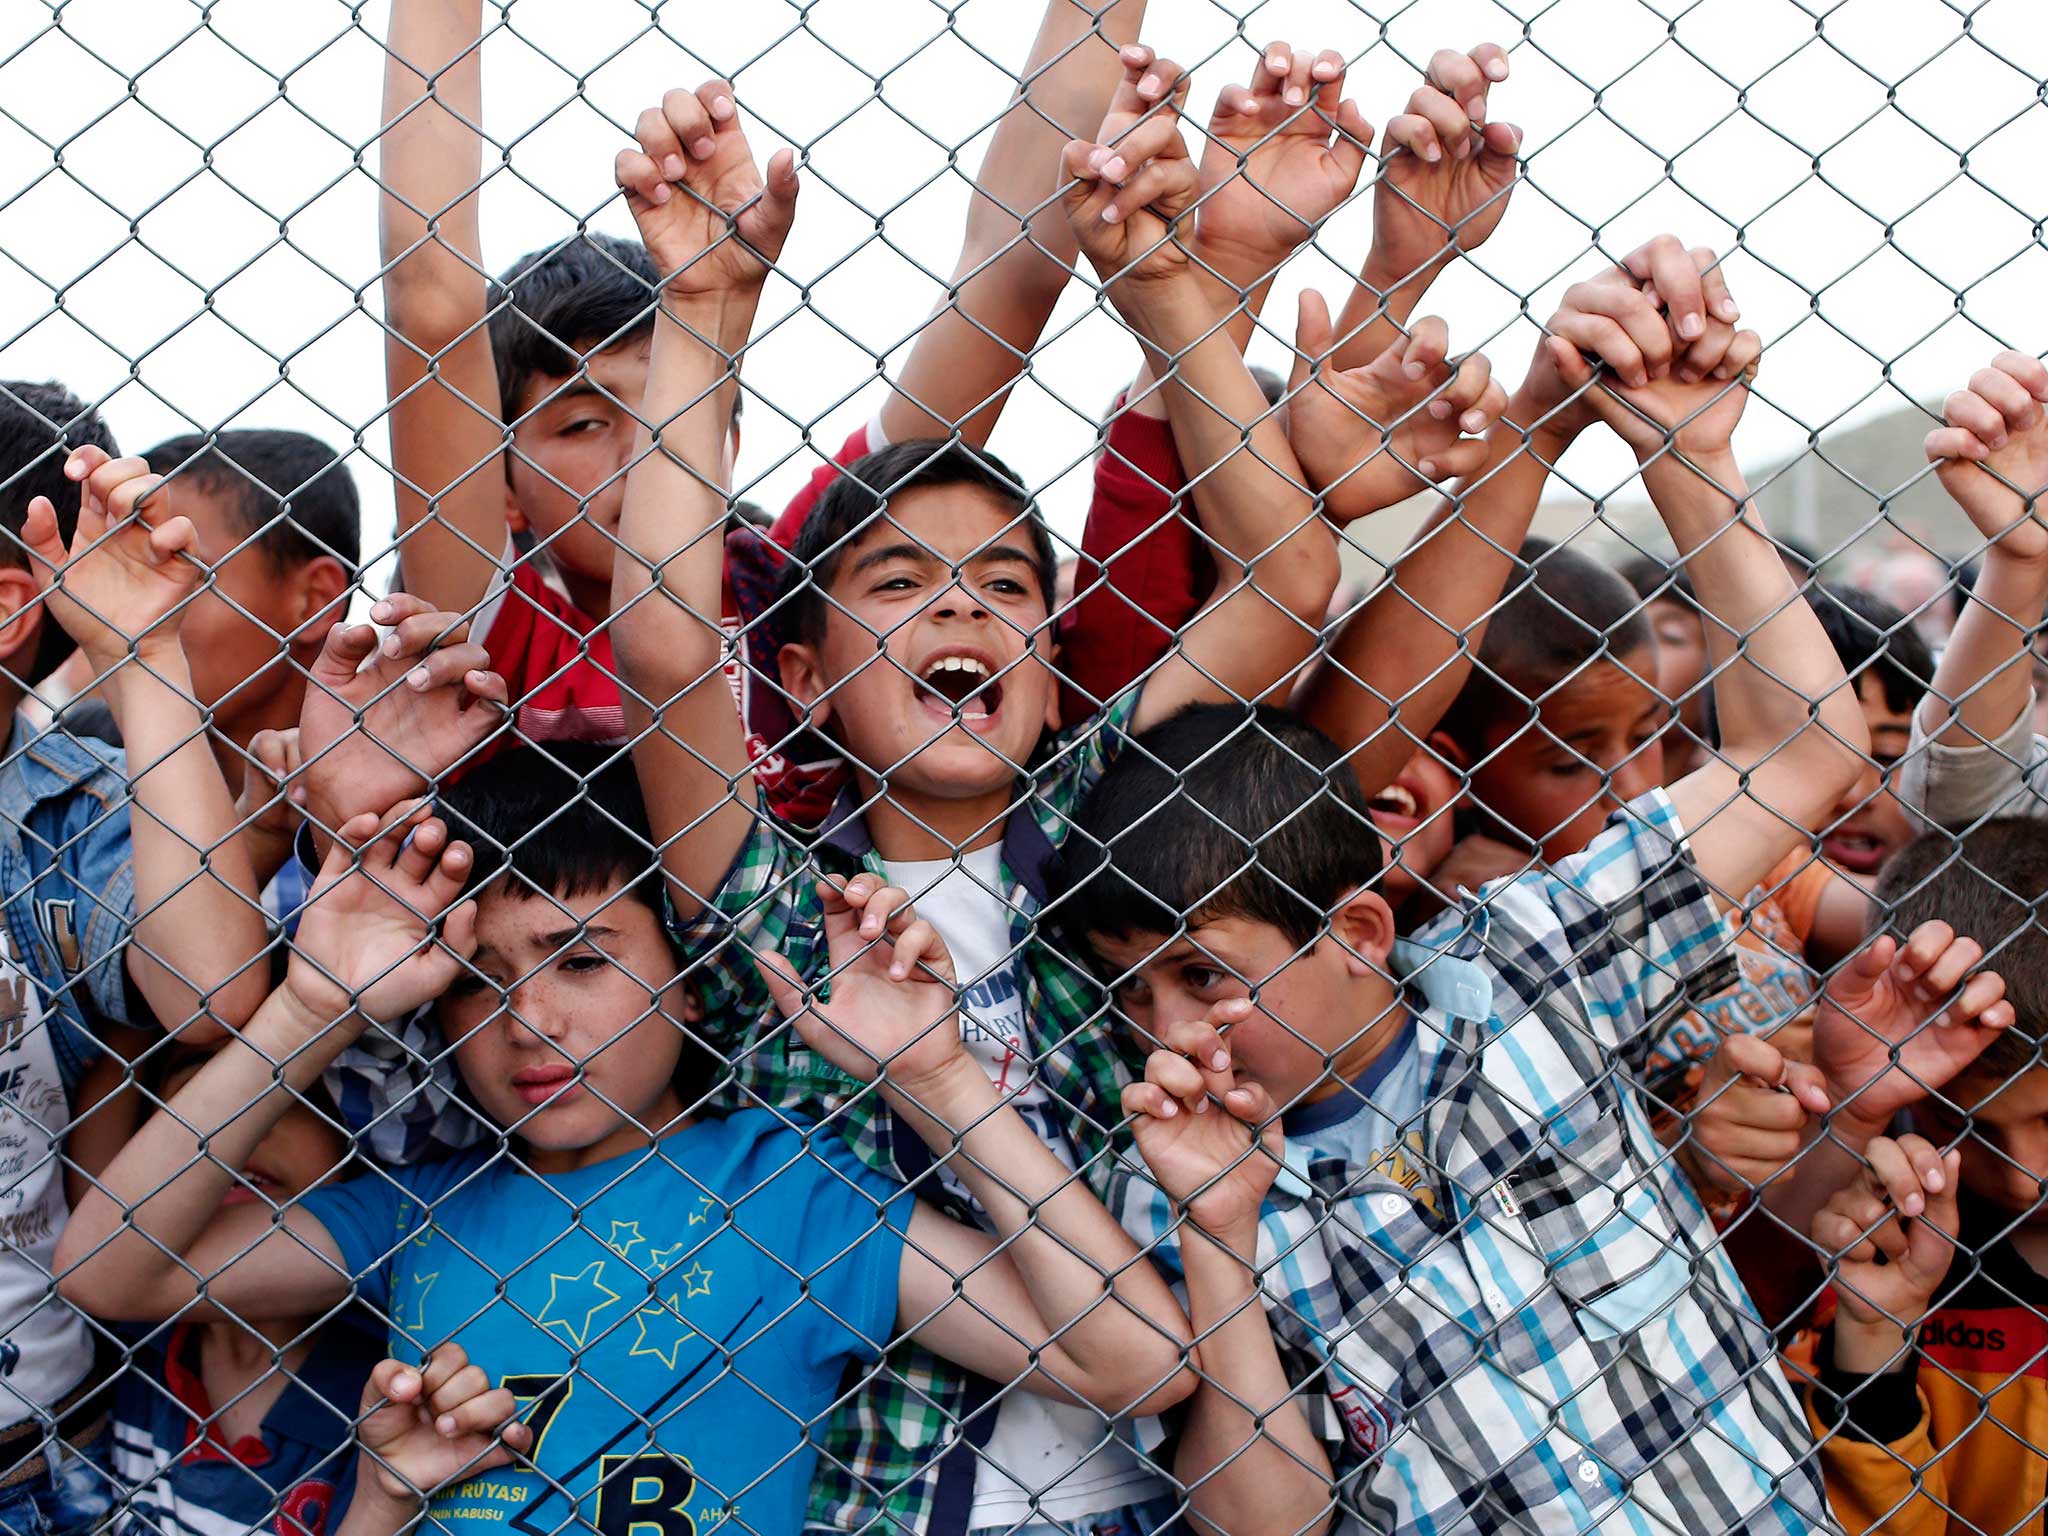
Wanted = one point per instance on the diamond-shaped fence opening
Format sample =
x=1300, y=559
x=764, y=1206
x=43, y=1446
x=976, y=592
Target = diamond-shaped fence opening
x=1077, y=773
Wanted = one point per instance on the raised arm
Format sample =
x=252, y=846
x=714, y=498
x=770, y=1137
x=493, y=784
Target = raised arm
x=1992, y=456
x=152, y=1238
x=1398, y=662
x=1059, y=1300
x=199, y=934
x=447, y=423
x=1018, y=251
x=712, y=231
x=1276, y=557
x=1793, y=737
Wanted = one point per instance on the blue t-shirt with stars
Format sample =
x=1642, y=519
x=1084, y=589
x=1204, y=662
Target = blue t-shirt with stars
x=670, y=1319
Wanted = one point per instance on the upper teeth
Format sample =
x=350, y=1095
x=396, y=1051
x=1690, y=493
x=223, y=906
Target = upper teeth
x=956, y=664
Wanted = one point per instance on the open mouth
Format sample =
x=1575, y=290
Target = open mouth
x=543, y=1085
x=960, y=687
x=1857, y=852
x=254, y=1185
x=1395, y=804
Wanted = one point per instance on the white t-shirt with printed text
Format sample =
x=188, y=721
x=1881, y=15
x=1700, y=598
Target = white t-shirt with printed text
x=1066, y=1449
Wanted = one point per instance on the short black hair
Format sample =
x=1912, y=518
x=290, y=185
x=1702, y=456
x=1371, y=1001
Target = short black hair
x=1652, y=580
x=562, y=820
x=40, y=424
x=1222, y=810
x=550, y=307
x=860, y=493
x=1988, y=884
x=1564, y=611
x=1874, y=636
x=290, y=491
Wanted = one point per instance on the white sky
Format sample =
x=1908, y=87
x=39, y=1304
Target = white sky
x=205, y=255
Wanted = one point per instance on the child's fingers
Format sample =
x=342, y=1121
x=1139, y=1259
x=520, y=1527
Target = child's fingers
x=921, y=949
x=659, y=157
x=1836, y=1234
x=81, y=462
x=1314, y=336
x=1892, y=1172
x=1924, y=945
x=1150, y=1100
x=1492, y=60
x=1808, y=1085
x=446, y=667
x=639, y=175
x=2030, y=372
x=447, y=880
x=1251, y=1103
x=479, y=1413
x=1979, y=994
x=1466, y=392
x=1926, y=1160
x=442, y=1366
x=1945, y=443
x=1449, y=127
x=690, y=126
x=1173, y=1073
x=884, y=909
x=1459, y=77
x=458, y=928
x=785, y=987
x=1455, y=460
x=1637, y=315
x=345, y=649
x=1145, y=141
x=391, y=1381
x=1975, y=415
x=1954, y=963
x=419, y=854
x=110, y=475
x=1165, y=183
x=716, y=97
x=1352, y=143
x=39, y=533
x=2016, y=407
x=1327, y=71
x=1415, y=133
x=457, y=1388
x=1299, y=65
x=486, y=687
x=419, y=633
x=1428, y=345
x=1669, y=267
x=1602, y=339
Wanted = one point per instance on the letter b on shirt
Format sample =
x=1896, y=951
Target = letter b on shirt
x=645, y=1495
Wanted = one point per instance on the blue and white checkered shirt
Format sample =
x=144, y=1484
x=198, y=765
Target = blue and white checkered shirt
x=1522, y=1321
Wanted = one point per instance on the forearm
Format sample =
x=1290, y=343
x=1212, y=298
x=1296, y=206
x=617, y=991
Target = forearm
x=1377, y=310
x=1019, y=249
x=1985, y=680
x=1069, y=1251
x=1248, y=1457
x=199, y=932
x=163, y=1188
x=1398, y=663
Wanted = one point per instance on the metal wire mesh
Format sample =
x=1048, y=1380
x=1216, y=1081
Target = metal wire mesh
x=1380, y=943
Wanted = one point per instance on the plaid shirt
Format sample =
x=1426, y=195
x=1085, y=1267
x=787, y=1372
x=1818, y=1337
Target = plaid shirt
x=885, y=1448
x=1523, y=1322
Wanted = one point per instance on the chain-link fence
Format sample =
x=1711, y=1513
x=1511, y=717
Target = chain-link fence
x=1225, y=916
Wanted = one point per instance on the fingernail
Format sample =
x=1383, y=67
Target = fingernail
x=419, y=677
x=1689, y=375
x=1201, y=1106
x=1220, y=1060
x=1472, y=421
x=1935, y=1179
x=661, y=193
x=1169, y=1110
x=896, y=972
x=446, y=1424
x=1911, y=1205
x=703, y=147
x=1476, y=109
x=1109, y=214
x=1241, y=1095
x=1114, y=169
x=1440, y=409
x=296, y=796
x=1148, y=86
x=1096, y=159
x=721, y=108
x=1427, y=469
x=1496, y=69
x=1690, y=327
x=1413, y=370
x=380, y=610
x=673, y=168
x=1431, y=153
x=1295, y=96
x=1277, y=62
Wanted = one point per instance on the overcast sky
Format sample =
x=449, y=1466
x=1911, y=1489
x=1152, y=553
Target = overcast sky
x=187, y=219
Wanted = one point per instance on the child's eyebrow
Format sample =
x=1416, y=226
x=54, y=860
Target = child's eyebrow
x=910, y=549
x=577, y=933
x=574, y=389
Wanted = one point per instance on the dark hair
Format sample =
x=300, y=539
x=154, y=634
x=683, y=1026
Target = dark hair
x=1874, y=636
x=1219, y=811
x=551, y=306
x=1987, y=884
x=1271, y=384
x=289, y=490
x=566, y=820
x=39, y=426
x=1653, y=580
x=1564, y=611
x=860, y=493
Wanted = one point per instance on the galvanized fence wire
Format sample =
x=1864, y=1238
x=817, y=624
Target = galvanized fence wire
x=1539, y=1036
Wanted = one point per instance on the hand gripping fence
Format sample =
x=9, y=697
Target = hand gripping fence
x=780, y=886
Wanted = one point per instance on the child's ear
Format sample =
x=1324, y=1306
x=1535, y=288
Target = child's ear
x=1052, y=698
x=322, y=592
x=804, y=681
x=22, y=616
x=1452, y=754
x=1364, y=925
x=514, y=518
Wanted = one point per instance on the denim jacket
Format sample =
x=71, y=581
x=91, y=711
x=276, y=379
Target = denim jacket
x=67, y=882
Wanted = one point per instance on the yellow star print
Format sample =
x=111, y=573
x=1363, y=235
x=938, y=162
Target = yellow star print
x=703, y=1211
x=661, y=1258
x=421, y=1284
x=662, y=1333
x=625, y=1237
x=568, y=1293
x=697, y=1280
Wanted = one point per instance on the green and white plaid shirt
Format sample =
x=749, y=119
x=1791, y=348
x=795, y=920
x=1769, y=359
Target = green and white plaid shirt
x=883, y=1464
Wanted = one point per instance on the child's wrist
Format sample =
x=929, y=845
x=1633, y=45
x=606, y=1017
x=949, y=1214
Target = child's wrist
x=956, y=1094
x=1868, y=1348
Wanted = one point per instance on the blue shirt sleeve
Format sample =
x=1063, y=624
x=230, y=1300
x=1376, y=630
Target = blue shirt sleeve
x=843, y=1227
x=372, y=1217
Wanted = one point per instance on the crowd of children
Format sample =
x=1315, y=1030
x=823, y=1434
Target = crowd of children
x=690, y=1022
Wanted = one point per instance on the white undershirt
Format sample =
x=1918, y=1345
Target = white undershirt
x=1037, y=1441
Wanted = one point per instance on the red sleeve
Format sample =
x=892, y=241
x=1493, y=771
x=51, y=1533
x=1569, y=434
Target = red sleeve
x=1142, y=574
x=784, y=530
